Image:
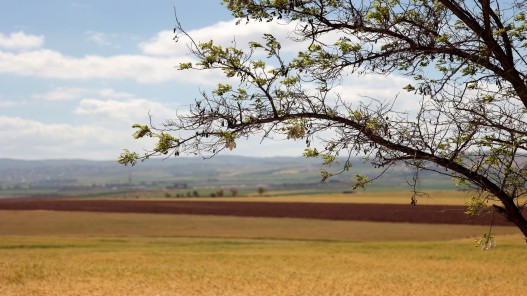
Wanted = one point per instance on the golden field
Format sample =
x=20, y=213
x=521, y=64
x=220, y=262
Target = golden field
x=435, y=197
x=62, y=253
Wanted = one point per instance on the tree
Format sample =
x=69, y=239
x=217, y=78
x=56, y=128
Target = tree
x=467, y=61
x=261, y=190
x=234, y=191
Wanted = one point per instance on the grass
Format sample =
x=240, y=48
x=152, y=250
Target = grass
x=61, y=253
x=197, y=266
x=436, y=197
x=46, y=223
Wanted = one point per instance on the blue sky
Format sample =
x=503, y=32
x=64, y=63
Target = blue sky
x=76, y=74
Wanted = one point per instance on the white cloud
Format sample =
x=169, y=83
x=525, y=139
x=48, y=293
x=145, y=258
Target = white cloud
x=73, y=93
x=222, y=33
x=105, y=115
x=61, y=94
x=52, y=64
x=10, y=103
x=111, y=93
x=101, y=39
x=30, y=139
x=380, y=87
x=23, y=138
x=20, y=40
x=102, y=128
x=107, y=105
x=226, y=32
x=126, y=111
x=158, y=63
x=143, y=69
x=255, y=147
x=18, y=128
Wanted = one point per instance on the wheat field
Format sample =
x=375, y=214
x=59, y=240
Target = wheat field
x=193, y=266
x=434, y=197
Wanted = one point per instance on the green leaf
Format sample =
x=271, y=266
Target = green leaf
x=128, y=157
x=360, y=181
x=142, y=131
x=475, y=205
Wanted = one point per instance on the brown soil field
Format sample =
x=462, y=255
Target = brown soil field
x=433, y=214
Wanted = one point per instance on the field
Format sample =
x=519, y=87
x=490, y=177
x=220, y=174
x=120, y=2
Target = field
x=435, y=197
x=84, y=253
x=432, y=214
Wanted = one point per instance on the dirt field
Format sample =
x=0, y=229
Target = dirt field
x=331, y=211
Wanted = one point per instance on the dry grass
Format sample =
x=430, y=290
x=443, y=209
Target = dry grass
x=445, y=197
x=60, y=253
x=47, y=223
x=135, y=266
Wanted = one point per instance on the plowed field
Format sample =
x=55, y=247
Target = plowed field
x=331, y=211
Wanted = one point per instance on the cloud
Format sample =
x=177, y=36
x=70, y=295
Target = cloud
x=278, y=146
x=52, y=64
x=373, y=85
x=74, y=93
x=61, y=94
x=18, y=128
x=157, y=63
x=384, y=88
x=101, y=39
x=134, y=110
x=111, y=93
x=10, y=103
x=23, y=138
x=31, y=139
x=20, y=40
x=101, y=130
x=225, y=33
x=104, y=116
x=222, y=33
x=107, y=105
x=143, y=69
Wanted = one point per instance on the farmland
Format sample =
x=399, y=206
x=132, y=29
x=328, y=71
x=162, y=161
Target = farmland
x=85, y=253
x=185, y=266
x=433, y=214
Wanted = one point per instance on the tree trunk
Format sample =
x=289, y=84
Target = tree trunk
x=513, y=213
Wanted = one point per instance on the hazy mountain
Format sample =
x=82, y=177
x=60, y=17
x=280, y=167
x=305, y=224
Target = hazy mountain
x=220, y=170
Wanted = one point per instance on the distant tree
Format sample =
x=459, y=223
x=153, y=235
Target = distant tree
x=219, y=193
x=261, y=190
x=233, y=191
x=467, y=61
x=195, y=193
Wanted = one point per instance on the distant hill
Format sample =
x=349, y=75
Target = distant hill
x=195, y=172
